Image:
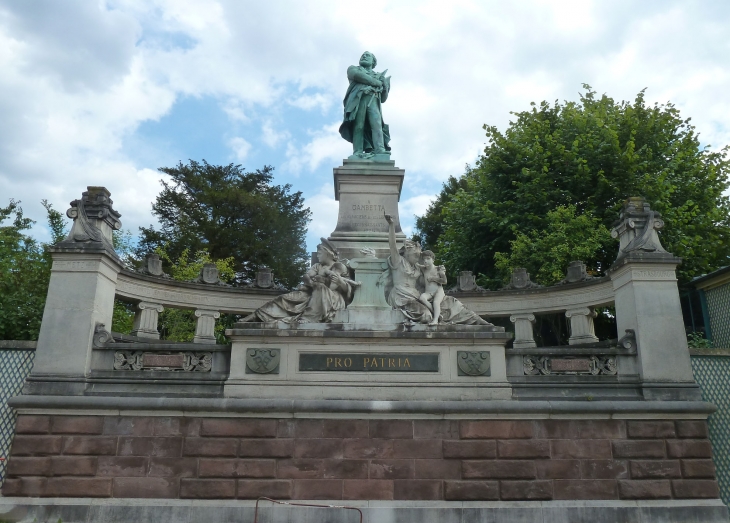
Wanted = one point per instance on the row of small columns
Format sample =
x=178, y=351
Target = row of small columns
x=146, y=315
x=581, y=328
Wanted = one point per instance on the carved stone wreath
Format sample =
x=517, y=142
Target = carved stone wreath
x=187, y=361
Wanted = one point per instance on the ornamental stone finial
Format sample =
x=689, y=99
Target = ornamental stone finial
x=636, y=229
x=94, y=219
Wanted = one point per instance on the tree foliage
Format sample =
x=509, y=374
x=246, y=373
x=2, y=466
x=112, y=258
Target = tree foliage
x=25, y=270
x=588, y=156
x=230, y=213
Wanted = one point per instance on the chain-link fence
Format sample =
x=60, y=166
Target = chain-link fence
x=712, y=371
x=16, y=360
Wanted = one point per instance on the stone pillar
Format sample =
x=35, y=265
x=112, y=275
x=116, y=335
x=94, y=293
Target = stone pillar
x=581, y=326
x=145, y=320
x=368, y=304
x=80, y=295
x=205, y=326
x=647, y=302
x=524, y=337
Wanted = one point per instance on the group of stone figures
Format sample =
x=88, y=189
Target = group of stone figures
x=412, y=283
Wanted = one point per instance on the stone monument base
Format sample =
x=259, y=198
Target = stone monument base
x=383, y=362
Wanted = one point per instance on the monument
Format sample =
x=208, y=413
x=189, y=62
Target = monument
x=368, y=383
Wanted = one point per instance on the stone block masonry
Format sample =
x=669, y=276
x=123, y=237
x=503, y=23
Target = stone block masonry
x=356, y=459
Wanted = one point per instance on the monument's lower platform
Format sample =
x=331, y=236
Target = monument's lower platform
x=421, y=460
x=88, y=510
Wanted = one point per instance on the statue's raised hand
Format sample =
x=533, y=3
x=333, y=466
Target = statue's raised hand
x=388, y=218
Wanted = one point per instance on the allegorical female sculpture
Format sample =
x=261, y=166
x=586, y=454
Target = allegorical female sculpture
x=363, y=124
x=406, y=286
x=326, y=289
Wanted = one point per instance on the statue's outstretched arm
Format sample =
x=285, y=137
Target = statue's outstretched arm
x=394, y=254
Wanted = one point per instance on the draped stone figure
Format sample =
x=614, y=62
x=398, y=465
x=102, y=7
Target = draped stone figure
x=405, y=286
x=325, y=290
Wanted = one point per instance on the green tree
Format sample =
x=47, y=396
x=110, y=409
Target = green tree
x=25, y=270
x=588, y=156
x=229, y=213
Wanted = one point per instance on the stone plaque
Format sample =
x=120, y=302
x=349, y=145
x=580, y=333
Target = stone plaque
x=570, y=365
x=163, y=360
x=373, y=362
x=473, y=363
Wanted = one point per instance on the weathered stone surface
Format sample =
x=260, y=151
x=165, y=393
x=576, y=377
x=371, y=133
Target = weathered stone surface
x=317, y=489
x=471, y=490
x=155, y=447
x=604, y=469
x=273, y=448
x=210, y=447
x=469, y=449
x=31, y=466
x=244, y=428
x=558, y=469
x=501, y=469
x=78, y=487
x=644, y=489
x=580, y=449
x=437, y=469
x=392, y=468
x=651, y=429
x=146, y=487
x=689, y=448
x=655, y=469
x=276, y=489
x=391, y=429
x=526, y=490
x=127, y=466
x=173, y=467
x=318, y=448
x=27, y=424
x=417, y=489
x=36, y=445
x=344, y=469
x=522, y=449
x=367, y=489
x=638, y=449
x=90, y=445
x=496, y=429
x=692, y=429
x=585, y=489
x=300, y=468
x=236, y=468
x=207, y=488
x=73, y=465
x=695, y=488
x=698, y=468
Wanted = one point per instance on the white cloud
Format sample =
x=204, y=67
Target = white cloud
x=240, y=147
x=79, y=78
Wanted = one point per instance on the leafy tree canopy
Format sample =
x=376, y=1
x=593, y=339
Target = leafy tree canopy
x=25, y=269
x=229, y=213
x=559, y=169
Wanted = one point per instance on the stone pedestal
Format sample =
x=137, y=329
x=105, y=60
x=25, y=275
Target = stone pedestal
x=80, y=295
x=392, y=362
x=647, y=302
x=366, y=190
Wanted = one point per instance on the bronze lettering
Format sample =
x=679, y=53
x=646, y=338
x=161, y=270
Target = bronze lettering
x=348, y=362
x=407, y=363
x=365, y=362
x=391, y=362
x=329, y=360
x=338, y=362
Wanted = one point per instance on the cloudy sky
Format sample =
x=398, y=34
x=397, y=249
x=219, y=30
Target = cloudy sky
x=105, y=92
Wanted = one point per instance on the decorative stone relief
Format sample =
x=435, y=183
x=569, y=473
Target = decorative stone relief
x=581, y=326
x=524, y=336
x=466, y=282
x=637, y=228
x=576, y=273
x=472, y=363
x=145, y=320
x=102, y=336
x=550, y=365
x=187, y=361
x=263, y=361
x=205, y=326
x=153, y=266
x=209, y=275
x=521, y=281
x=628, y=340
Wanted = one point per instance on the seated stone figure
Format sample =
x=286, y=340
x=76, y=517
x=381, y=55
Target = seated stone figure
x=434, y=278
x=326, y=289
x=404, y=290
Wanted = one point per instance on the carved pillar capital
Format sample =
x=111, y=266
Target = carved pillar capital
x=145, y=320
x=205, y=325
x=524, y=337
x=581, y=326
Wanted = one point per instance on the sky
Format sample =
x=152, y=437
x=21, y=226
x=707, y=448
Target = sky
x=105, y=92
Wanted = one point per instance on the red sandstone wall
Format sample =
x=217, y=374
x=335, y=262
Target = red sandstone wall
x=221, y=458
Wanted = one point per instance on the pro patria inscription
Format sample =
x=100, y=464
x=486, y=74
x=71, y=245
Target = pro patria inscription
x=373, y=362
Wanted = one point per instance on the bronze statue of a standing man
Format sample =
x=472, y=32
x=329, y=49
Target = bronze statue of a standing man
x=363, y=124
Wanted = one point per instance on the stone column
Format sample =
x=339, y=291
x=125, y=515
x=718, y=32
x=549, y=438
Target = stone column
x=80, y=295
x=647, y=301
x=205, y=326
x=581, y=326
x=524, y=337
x=145, y=320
